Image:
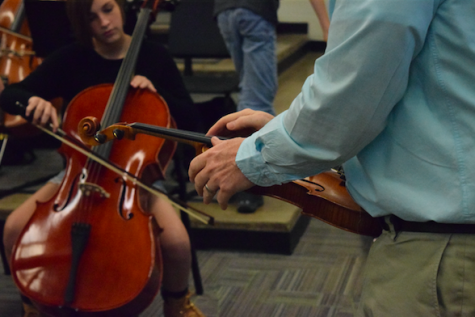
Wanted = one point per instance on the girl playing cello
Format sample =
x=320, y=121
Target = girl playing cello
x=94, y=60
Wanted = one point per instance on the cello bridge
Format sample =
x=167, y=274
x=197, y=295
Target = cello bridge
x=89, y=188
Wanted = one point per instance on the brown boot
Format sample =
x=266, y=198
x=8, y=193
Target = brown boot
x=180, y=307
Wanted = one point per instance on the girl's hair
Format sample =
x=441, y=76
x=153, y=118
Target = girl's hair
x=78, y=12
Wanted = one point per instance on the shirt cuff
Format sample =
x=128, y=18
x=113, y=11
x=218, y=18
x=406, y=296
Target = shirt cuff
x=252, y=165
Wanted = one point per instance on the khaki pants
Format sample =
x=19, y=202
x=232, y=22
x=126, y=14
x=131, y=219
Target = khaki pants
x=419, y=274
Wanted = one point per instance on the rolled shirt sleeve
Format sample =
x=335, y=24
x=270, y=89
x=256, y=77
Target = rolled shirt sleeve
x=345, y=104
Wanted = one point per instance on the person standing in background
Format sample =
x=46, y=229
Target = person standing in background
x=248, y=28
x=321, y=10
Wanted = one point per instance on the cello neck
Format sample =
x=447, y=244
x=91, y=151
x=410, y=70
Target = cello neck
x=119, y=92
x=113, y=110
x=19, y=18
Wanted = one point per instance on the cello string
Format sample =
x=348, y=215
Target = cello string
x=117, y=99
x=19, y=35
x=115, y=104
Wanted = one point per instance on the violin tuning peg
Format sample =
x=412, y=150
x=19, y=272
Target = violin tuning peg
x=100, y=138
x=118, y=134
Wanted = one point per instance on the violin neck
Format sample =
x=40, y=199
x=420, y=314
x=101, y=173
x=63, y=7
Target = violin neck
x=173, y=133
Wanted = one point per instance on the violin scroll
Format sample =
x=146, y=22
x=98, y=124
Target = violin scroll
x=89, y=130
x=89, y=126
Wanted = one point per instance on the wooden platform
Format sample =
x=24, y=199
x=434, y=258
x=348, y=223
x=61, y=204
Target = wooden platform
x=7, y=205
x=11, y=202
x=289, y=48
x=276, y=227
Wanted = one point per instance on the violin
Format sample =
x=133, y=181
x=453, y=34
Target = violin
x=323, y=196
x=73, y=258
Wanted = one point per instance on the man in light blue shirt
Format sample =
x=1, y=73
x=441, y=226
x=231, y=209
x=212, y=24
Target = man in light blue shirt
x=393, y=100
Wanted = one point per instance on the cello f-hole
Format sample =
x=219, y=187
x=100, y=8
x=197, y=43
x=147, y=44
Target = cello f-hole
x=120, y=206
x=56, y=207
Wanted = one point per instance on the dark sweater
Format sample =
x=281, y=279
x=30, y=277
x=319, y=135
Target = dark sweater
x=73, y=68
x=265, y=8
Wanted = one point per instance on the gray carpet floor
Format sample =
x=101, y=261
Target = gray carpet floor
x=323, y=277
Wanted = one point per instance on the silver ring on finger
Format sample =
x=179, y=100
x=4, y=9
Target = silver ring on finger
x=209, y=190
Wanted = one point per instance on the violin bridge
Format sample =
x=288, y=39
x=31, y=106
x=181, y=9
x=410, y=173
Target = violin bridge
x=89, y=188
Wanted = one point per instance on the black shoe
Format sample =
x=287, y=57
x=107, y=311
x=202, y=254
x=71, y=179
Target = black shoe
x=248, y=203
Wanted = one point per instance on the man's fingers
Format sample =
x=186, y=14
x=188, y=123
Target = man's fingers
x=215, y=141
x=208, y=193
x=244, y=122
x=196, y=165
x=223, y=199
x=220, y=126
x=255, y=120
x=200, y=182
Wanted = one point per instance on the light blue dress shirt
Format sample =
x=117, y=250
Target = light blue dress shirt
x=394, y=98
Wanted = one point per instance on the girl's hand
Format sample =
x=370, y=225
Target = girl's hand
x=43, y=112
x=142, y=83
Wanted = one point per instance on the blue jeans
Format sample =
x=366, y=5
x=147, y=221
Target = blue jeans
x=250, y=40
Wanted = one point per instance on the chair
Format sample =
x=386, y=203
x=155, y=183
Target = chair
x=195, y=34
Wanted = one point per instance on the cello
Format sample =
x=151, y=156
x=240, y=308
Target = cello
x=73, y=256
x=17, y=58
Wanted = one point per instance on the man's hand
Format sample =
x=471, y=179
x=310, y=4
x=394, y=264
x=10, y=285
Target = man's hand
x=215, y=171
x=43, y=112
x=243, y=123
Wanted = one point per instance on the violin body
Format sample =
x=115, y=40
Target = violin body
x=119, y=271
x=325, y=197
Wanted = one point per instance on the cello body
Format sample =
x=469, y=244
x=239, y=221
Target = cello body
x=15, y=62
x=119, y=271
